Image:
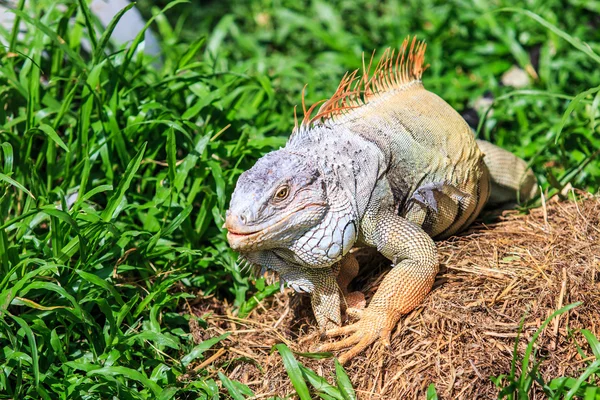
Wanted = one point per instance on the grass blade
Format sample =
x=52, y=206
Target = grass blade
x=321, y=385
x=127, y=373
x=60, y=214
x=593, y=342
x=294, y=372
x=189, y=162
x=140, y=36
x=572, y=105
x=431, y=392
x=60, y=42
x=87, y=17
x=32, y=347
x=7, y=150
x=528, y=352
x=115, y=200
x=593, y=368
x=343, y=382
x=94, y=280
x=106, y=35
x=16, y=184
x=575, y=42
x=16, y=26
x=198, y=350
x=171, y=148
x=235, y=388
x=190, y=53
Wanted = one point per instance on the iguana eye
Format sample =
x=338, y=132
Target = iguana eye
x=282, y=193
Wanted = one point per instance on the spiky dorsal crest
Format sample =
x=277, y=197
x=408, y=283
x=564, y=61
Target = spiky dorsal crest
x=393, y=71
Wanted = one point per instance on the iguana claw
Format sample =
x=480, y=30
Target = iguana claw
x=372, y=326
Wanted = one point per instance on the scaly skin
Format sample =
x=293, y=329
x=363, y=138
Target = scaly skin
x=385, y=164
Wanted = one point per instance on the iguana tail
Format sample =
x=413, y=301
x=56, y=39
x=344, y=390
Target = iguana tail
x=511, y=180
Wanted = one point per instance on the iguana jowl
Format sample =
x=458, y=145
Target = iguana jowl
x=383, y=163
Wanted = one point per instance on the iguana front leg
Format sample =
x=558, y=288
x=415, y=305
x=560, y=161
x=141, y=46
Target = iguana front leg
x=329, y=284
x=414, y=256
x=325, y=298
x=354, y=301
x=319, y=282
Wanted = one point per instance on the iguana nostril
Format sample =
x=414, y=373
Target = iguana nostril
x=243, y=218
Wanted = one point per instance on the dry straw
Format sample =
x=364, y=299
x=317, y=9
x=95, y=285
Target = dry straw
x=491, y=276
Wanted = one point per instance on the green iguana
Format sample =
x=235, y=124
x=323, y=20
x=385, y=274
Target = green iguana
x=383, y=163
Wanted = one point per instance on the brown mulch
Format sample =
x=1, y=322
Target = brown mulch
x=518, y=266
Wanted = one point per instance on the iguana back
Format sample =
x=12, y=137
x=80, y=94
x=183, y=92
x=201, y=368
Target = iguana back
x=434, y=162
x=434, y=167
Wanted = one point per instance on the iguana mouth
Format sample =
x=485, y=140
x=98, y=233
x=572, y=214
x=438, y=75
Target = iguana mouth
x=243, y=234
x=238, y=237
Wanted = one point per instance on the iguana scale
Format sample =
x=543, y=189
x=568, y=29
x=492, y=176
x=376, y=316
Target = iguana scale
x=383, y=163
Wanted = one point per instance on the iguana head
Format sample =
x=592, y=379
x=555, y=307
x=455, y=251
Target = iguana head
x=275, y=202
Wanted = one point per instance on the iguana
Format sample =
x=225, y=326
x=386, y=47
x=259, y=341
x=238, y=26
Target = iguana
x=382, y=163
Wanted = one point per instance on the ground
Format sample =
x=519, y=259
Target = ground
x=491, y=277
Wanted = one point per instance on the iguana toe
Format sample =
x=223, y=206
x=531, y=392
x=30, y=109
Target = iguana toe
x=354, y=313
x=340, y=331
x=373, y=326
x=355, y=304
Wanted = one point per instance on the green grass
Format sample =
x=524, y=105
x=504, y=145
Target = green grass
x=519, y=387
x=114, y=175
x=299, y=376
